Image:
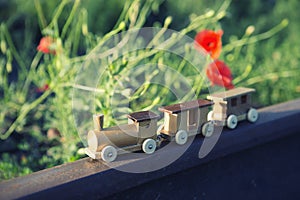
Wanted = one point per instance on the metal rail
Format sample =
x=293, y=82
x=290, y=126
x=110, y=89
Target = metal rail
x=93, y=179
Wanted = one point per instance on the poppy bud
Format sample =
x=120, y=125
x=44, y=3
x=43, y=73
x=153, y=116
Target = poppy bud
x=45, y=45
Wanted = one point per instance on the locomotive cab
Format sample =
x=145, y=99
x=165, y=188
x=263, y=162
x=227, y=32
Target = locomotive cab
x=145, y=122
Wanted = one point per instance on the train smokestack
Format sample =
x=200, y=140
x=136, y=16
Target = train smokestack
x=98, y=121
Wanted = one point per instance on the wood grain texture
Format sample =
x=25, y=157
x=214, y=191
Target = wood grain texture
x=181, y=107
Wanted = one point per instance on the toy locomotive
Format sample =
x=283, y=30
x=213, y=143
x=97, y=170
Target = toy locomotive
x=180, y=121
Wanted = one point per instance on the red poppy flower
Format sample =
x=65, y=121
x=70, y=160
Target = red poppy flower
x=45, y=45
x=42, y=89
x=219, y=74
x=210, y=41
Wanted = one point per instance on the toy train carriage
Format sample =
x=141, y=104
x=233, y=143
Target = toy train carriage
x=186, y=119
x=232, y=106
x=138, y=134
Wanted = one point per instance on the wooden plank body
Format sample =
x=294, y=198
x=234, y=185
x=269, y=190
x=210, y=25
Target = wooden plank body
x=188, y=116
x=236, y=101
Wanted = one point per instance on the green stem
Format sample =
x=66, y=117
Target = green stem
x=224, y=6
x=144, y=12
x=272, y=76
x=244, y=75
x=86, y=88
x=13, y=49
x=40, y=14
x=207, y=18
x=70, y=18
x=33, y=66
x=76, y=37
x=78, y=59
x=26, y=108
x=256, y=38
x=58, y=13
x=124, y=13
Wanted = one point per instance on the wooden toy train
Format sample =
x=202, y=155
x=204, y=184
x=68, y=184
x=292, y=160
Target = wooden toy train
x=180, y=121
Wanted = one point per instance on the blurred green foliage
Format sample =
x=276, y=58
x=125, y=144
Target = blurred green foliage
x=260, y=44
x=269, y=60
x=276, y=60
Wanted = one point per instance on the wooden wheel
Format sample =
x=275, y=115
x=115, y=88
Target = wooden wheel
x=149, y=146
x=109, y=154
x=208, y=129
x=232, y=121
x=252, y=115
x=181, y=137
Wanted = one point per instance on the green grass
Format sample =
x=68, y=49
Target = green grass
x=260, y=45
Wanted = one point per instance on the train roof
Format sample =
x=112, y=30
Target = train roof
x=231, y=93
x=180, y=107
x=142, y=116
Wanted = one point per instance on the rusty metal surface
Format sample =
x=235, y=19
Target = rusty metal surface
x=267, y=171
x=95, y=180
